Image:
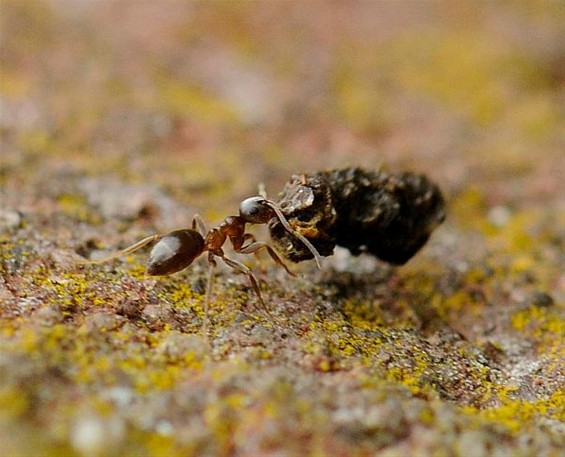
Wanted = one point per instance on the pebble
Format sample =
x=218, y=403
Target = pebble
x=9, y=219
x=177, y=345
x=540, y=299
x=104, y=321
x=94, y=436
x=499, y=216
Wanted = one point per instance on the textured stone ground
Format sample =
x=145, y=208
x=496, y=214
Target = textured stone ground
x=122, y=119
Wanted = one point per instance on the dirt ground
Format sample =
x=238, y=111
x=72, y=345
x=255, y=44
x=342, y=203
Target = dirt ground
x=120, y=119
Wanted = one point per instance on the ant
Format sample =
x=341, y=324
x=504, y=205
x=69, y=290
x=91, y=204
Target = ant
x=176, y=250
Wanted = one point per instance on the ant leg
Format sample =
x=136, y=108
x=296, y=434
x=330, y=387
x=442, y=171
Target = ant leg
x=134, y=247
x=250, y=239
x=255, y=246
x=211, y=270
x=240, y=268
x=198, y=222
x=261, y=190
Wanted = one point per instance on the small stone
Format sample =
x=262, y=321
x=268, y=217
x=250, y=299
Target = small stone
x=472, y=443
x=177, y=345
x=104, y=321
x=116, y=199
x=49, y=315
x=94, y=436
x=9, y=219
x=540, y=299
x=499, y=216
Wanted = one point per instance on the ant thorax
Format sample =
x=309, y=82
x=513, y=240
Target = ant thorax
x=215, y=238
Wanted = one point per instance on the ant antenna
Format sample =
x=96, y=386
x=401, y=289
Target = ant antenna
x=129, y=250
x=298, y=235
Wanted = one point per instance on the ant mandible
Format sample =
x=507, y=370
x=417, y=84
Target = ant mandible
x=176, y=250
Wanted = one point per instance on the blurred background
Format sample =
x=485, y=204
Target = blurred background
x=123, y=118
x=207, y=99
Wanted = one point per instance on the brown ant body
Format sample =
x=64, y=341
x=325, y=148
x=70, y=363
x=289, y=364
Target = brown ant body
x=176, y=250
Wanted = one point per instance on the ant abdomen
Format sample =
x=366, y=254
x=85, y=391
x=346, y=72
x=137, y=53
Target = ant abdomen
x=174, y=252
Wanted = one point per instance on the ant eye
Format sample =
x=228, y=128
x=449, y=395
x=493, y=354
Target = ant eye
x=254, y=211
x=174, y=252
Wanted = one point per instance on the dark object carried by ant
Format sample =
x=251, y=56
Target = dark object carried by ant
x=176, y=250
x=390, y=216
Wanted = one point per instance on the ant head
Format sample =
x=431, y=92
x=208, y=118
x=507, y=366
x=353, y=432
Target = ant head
x=256, y=210
x=174, y=252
